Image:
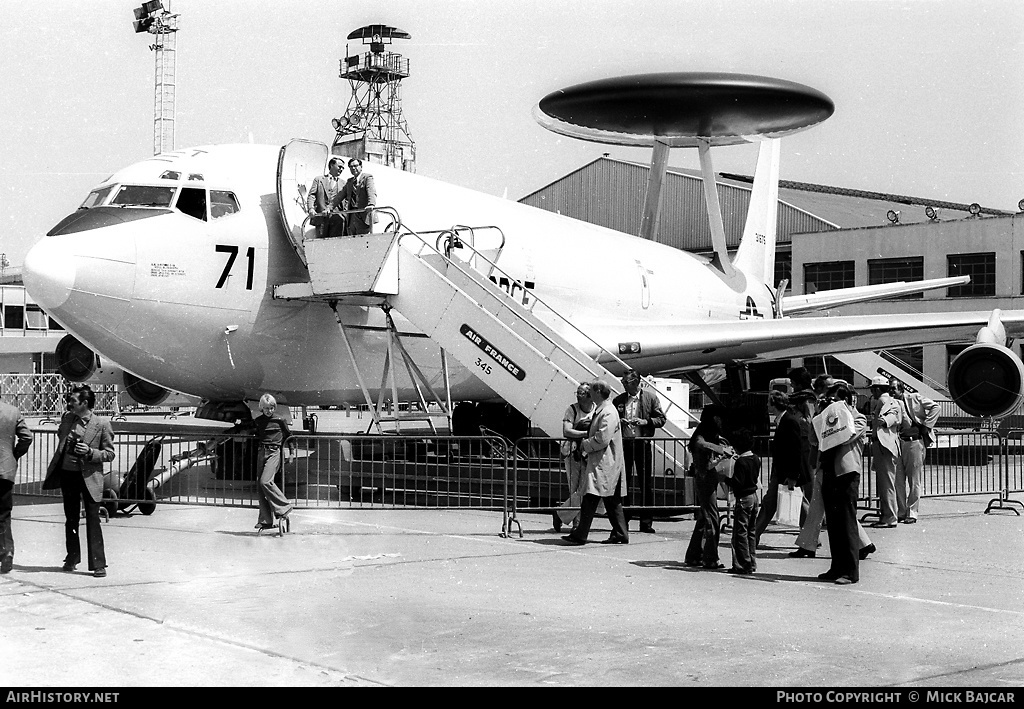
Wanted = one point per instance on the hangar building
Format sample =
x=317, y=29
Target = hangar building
x=828, y=237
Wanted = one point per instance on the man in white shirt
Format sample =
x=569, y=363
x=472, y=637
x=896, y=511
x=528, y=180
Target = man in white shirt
x=885, y=447
x=920, y=415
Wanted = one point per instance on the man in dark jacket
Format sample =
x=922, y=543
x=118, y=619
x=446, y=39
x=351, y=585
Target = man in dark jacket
x=15, y=438
x=640, y=412
x=85, y=441
x=791, y=457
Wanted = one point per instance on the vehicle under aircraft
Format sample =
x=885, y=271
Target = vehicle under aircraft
x=197, y=270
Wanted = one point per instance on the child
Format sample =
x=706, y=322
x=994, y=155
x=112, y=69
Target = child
x=744, y=483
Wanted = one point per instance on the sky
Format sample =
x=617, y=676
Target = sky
x=927, y=92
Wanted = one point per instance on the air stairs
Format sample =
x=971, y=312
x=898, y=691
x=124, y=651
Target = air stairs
x=871, y=364
x=454, y=302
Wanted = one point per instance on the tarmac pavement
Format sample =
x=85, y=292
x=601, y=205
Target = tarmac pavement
x=417, y=597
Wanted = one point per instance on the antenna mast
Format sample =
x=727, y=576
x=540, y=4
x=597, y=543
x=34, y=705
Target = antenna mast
x=372, y=127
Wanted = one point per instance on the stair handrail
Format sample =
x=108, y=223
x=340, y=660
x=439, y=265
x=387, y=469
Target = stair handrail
x=537, y=299
x=893, y=359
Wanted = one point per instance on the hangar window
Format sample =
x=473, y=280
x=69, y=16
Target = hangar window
x=829, y=365
x=952, y=351
x=828, y=275
x=891, y=270
x=912, y=358
x=784, y=268
x=14, y=317
x=222, y=203
x=35, y=318
x=143, y=196
x=192, y=201
x=96, y=197
x=980, y=267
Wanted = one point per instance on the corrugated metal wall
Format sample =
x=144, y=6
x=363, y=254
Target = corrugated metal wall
x=610, y=193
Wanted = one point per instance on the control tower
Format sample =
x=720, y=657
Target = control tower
x=373, y=128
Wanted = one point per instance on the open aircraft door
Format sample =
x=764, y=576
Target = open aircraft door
x=301, y=161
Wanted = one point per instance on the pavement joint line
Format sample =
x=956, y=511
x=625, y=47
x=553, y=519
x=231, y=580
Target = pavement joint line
x=171, y=625
x=916, y=682
x=928, y=601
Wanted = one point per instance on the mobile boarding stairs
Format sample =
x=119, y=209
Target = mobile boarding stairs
x=441, y=283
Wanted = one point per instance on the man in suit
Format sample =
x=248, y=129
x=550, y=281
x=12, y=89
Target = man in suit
x=791, y=458
x=15, y=438
x=920, y=415
x=324, y=201
x=640, y=413
x=85, y=441
x=885, y=447
x=604, y=479
x=361, y=196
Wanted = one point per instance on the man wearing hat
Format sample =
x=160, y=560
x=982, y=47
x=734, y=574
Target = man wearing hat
x=920, y=415
x=886, y=418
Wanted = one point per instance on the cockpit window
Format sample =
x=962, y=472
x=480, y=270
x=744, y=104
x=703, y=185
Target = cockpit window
x=192, y=201
x=96, y=197
x=143, y=196
x=222, y=203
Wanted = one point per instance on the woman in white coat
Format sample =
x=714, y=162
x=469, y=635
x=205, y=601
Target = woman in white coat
x=605, y=477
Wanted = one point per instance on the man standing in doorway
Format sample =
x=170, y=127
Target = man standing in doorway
x=361, y=195
x=324, y=201
x=640, y=412
x=15, y=438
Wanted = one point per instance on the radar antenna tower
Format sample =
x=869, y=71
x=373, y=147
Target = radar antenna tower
x=154, y=18
x=372, y=127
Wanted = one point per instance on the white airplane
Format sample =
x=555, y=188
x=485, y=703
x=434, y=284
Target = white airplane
x=171, y=265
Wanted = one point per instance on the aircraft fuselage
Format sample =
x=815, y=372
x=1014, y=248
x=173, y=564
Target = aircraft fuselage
x=187, y=302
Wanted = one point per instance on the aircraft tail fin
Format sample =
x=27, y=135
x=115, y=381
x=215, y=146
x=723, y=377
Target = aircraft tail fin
x=756, y=253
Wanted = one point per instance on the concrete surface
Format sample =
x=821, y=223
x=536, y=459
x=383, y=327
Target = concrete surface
x=376, y=597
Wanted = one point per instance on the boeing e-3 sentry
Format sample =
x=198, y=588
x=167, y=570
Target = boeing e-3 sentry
x=197, y=270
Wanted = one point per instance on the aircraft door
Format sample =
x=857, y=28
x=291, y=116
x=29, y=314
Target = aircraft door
x=300, y=162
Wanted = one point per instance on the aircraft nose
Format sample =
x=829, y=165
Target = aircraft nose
x=49, y=273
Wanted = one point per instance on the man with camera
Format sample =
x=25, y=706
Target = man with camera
x=85, y=441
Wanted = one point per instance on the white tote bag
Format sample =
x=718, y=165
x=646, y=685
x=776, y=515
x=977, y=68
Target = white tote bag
x=834, y=426
x=788, y=511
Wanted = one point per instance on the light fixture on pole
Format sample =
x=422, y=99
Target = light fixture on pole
x=155, y=19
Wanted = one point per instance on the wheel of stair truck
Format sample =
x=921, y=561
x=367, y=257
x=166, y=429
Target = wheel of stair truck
x=109, y=505
x=149, y=506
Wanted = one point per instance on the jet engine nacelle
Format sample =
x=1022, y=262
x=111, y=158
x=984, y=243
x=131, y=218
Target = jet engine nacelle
x=77, y=363
x=987, y=379
x=146, y=393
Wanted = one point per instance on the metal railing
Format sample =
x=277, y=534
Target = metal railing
x=446, y=472
x=43, y=394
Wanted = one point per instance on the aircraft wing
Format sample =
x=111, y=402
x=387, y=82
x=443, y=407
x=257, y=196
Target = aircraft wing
x=675, y=348
x=794, y=304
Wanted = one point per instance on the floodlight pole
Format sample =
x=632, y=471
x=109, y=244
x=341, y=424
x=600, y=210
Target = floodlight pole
x=165, y=33
x=154, y=18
